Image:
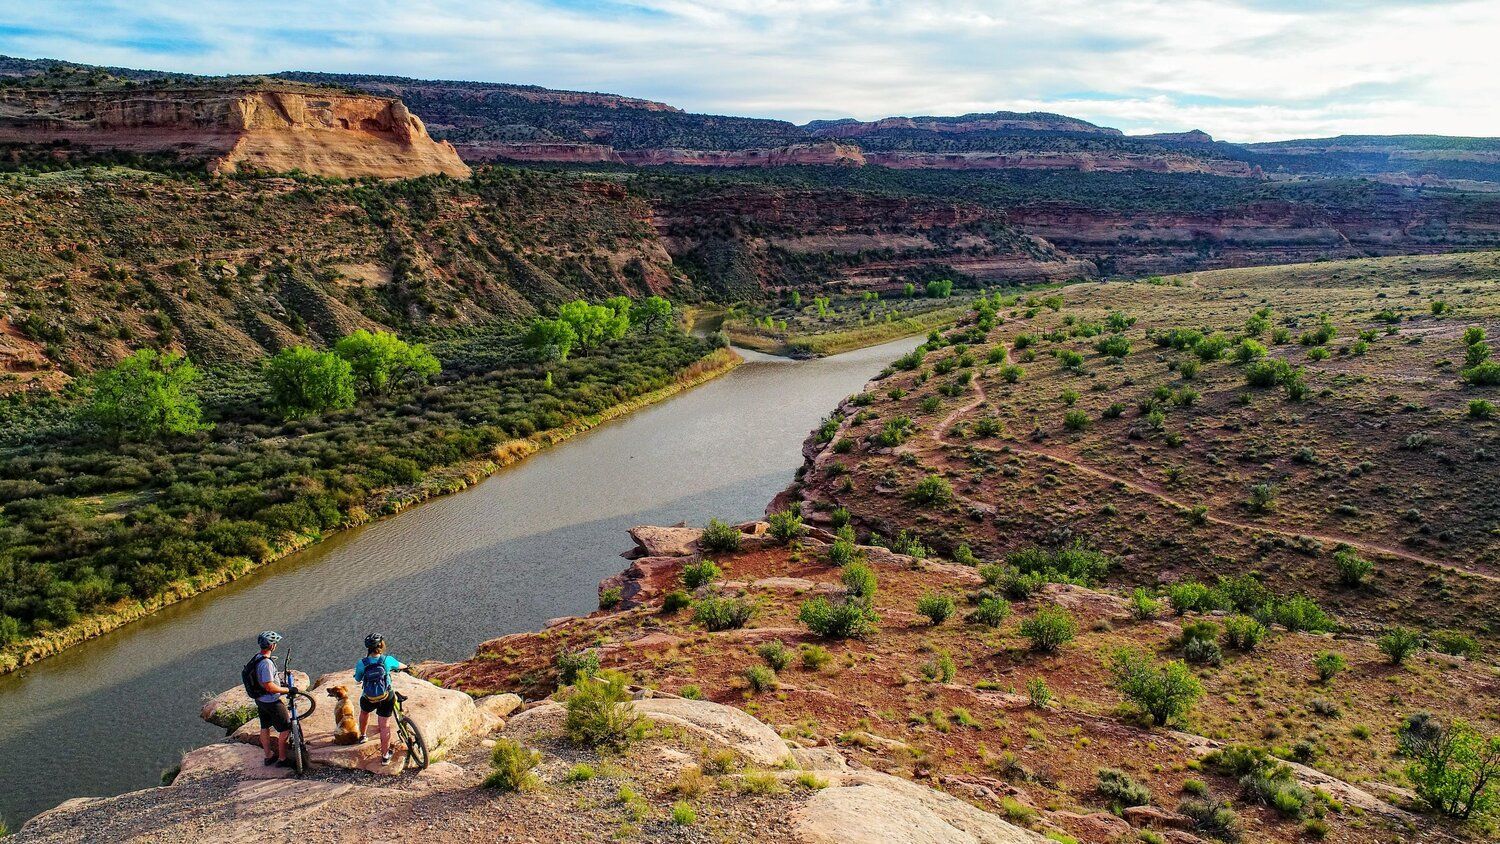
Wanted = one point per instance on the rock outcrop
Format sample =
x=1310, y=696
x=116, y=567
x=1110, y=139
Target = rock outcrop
x=323, y=134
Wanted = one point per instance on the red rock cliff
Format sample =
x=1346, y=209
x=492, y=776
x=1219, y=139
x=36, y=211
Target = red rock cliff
x=323, y=134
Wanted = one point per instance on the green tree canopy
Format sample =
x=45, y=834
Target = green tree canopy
x=304, y=380
x=593, y=323
x=146, y=395
x=620, y=305
x=653, y=313
x=381, y=360
x=551, y=338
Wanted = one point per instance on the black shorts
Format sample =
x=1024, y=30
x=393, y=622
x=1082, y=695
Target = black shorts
x=385, y=707
x=274, y=715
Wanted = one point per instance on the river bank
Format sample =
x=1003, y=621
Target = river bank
x=443, y=481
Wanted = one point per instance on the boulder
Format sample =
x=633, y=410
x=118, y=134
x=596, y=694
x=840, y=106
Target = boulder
x=499, y=705
x=819, y=759
x=443, y=715
x=666, y=541
x=245, y=759
x=644, y=580
x=734, y=728
x=867, y=807
x=1152, y=817
x=1096, y=826
x=231, y=707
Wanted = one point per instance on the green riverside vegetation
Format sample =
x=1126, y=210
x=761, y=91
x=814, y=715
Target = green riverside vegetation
x=158, y=479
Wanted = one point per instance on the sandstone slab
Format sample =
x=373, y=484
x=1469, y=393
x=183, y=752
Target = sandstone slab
x=230, y=707
x=866, y=807
x=724, y=725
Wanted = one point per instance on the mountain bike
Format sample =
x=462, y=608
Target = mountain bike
x=297, y=742
x=408, y=733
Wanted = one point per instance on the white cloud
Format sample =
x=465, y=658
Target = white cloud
x=1246, y=70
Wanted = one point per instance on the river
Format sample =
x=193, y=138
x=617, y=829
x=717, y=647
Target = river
x=528, y=544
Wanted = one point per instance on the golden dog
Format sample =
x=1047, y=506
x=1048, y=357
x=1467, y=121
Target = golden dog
x=347, y=729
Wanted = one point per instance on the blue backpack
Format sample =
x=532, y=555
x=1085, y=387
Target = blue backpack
x=377, y=680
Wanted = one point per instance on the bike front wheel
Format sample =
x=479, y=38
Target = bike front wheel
x=416, y=746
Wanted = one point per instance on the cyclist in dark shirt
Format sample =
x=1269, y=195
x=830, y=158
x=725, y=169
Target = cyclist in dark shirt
x=269, y=704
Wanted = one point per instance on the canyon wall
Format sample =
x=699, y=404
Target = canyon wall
x=739, y=240
x=318, y=133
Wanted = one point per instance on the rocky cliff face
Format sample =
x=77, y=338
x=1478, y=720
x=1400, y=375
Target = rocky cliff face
x=742, y=239
x=1000, y=121
x=1140, y=242
x=321, y=134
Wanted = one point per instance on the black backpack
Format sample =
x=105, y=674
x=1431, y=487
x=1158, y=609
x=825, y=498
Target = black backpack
x=248, y=676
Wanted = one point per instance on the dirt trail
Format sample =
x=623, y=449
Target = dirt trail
x=1061, y=457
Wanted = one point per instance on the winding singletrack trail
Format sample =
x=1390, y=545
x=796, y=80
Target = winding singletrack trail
x=1062, y=458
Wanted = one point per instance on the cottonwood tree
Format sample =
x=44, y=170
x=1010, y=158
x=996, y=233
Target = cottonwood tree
x=380, y=360
x=653, y=313
x=593, y=323
x=144, y=396
x=552, y=339
x=304, y=380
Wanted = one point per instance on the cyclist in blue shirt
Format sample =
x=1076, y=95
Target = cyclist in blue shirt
x=374, y=674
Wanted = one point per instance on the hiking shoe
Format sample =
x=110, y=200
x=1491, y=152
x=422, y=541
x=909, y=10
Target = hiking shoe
x=269, y=760
x=283, y=763
x=386, y=759
x=362, y=739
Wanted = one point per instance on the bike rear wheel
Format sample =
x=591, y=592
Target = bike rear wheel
x=297, y=744
x=416, y=746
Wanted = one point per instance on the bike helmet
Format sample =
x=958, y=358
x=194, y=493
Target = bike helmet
x=373, y=641
x=267, y=639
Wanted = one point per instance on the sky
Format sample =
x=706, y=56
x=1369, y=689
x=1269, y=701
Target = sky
x=1242, y=70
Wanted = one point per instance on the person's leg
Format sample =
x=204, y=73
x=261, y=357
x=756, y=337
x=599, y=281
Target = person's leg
x=281, y=745
x=265, y=740
x=385, y=735
x=364, y=722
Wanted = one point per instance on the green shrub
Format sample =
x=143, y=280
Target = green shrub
x=572, y=665
x=581, y=772
x=599, y=712
x=760, y=678
x=1114, y=346
x=815, y=657
x=940, y=669
x=720, y=538
x=1076, y=420
x=1454, y=643
x=611, y=597
x=1453, y=767
x=848, y=619
x=859, y=581
x=991, y=612
x=842, y=552
x=700, y=573
x=1328, y=665
x=1244, y=633
x=1202, y=652
x=1120, y=790
x=1398, y=643
x=1352, y=568
x=1038, y=693
x=1484, y=375
x=683, y=814
x=1211, y=816
x=1481, y=409
x=933, y=489
x=1163, y=692
x=1298, y=613
x=511, y=767
x=722, y=612
x=1269, y=372
x=1190, y=596
x=937, y=607
x=786, y=526
x=776, y=654
x=1143, y=605
x=676, y=600
x=1249, y=350
x=1049, y=628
